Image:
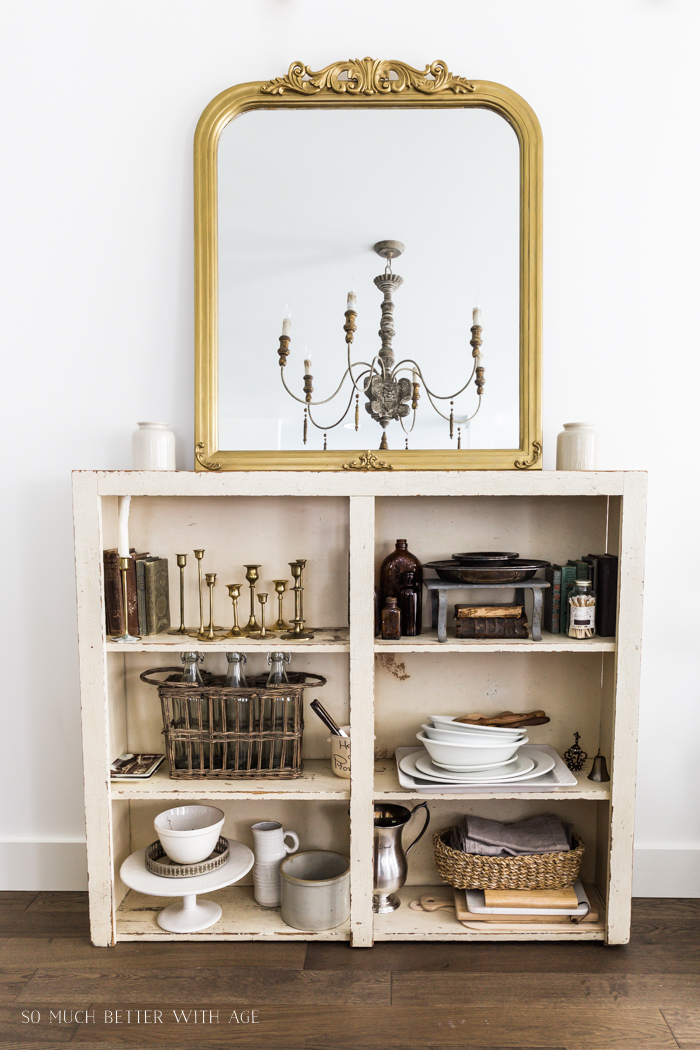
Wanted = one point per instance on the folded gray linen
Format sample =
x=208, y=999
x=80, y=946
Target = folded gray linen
x=491, y=838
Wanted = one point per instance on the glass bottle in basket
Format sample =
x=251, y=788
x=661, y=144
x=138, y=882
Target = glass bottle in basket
x=190, y=713
x=582, y=604
x=237, y=710
x=278, y=713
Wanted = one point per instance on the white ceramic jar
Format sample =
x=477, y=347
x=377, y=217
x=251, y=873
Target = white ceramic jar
x=576, y=447
x=340, y=754
x=153, y=447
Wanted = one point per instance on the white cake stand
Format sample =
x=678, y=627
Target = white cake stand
x=188, y=915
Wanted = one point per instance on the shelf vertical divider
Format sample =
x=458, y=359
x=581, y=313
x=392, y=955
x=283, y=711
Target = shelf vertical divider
x=361, y=515
x=87, y=518
x=628, y=655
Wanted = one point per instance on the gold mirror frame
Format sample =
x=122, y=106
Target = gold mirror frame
x=364, y=84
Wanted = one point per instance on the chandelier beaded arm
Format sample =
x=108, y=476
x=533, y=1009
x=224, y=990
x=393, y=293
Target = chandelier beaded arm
x=390, y=396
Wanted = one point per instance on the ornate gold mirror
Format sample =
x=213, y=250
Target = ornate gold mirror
x=368, y=273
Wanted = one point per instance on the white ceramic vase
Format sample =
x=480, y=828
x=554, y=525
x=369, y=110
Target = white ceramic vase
x=270, y=849
x=576, y=447
x=153, y=447
x=340, y=754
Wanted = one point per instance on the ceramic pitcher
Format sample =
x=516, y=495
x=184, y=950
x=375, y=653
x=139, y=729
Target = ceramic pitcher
x=270, y=848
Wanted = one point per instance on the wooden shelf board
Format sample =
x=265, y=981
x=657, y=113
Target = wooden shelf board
x=386, y=787
x=407, y=925
x=326, y=640
x=242, y=920
x=317, y=782
x=551, y=643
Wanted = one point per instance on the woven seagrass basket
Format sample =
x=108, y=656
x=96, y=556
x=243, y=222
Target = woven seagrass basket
x=537, y=871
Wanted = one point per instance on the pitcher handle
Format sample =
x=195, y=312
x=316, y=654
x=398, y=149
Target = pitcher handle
x=425, y=826
x=295, y=839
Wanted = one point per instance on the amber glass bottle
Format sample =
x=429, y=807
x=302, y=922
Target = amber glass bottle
x=408, y=604
x=394, y=565
x=391, y=620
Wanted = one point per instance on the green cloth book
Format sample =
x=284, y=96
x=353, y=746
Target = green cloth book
x=552, y=599
x=568, y=582
x=157, y=596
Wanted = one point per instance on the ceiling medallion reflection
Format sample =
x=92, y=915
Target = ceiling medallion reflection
x=368, y=76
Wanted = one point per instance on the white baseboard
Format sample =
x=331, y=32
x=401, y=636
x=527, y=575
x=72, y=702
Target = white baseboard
x=62, y=866
x=43, y=866
x=666, y=873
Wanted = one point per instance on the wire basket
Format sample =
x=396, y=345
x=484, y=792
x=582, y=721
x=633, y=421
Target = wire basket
x=219, y=732
x=535, y=871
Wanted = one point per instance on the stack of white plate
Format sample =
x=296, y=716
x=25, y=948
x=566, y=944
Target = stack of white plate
x=456, y=752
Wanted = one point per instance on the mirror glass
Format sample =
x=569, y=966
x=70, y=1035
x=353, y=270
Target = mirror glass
x=303, y=196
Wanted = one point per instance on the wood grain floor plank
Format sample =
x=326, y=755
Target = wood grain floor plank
x=506, y=957
x=368, y=1027
x=60, y=900
x=43, y=922
x=17, y=898
x=539, y=989
x=17, y=1034
x=300, y=987
x=78, y=953
x=685, y=1025
x=12, y=982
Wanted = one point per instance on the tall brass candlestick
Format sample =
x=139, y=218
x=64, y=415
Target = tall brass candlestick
x=126, y=637
x=234, y=590
x=199, y=554
x=181, y=561
x=280, y=588
x=263, y=632
x=298, y=632
x=252, y=576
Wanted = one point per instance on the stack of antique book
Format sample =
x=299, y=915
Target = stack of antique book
x=148, y=597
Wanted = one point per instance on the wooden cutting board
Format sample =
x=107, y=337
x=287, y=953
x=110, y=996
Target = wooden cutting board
x=464, y=915
x=565, y=898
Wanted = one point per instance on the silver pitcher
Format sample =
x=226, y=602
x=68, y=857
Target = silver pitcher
x=390, y=864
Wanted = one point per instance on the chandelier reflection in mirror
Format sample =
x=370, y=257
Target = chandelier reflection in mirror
x=391, y=396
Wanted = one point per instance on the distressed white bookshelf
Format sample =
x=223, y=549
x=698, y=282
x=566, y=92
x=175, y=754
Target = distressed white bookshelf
x=344, y=524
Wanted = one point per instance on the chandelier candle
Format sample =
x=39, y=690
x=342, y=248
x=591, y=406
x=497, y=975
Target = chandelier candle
x=392, y=390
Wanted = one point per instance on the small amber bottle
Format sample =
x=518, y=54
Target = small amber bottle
x=391, y=619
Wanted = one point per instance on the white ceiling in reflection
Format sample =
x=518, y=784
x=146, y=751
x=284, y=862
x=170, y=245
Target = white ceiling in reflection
x=303, y=197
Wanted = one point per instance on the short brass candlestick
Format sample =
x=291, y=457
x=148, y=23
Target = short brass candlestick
x=234, y=590
x=126, y=637
x=181, y=561
x=252, y=576
x=207, y=634
x=298, y=631
x=263, y=632
x=280, y=588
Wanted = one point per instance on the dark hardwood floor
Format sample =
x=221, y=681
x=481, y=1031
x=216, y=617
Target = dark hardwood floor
x=327, y=996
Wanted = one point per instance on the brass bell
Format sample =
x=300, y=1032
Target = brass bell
x=599, y=770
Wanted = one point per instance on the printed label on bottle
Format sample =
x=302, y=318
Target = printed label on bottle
x=583, y=616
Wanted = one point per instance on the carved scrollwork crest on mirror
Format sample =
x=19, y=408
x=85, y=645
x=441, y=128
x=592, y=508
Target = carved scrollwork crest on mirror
x=299, y=181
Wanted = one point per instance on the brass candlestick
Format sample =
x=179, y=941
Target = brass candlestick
x=203, y=631
x=207, y=635
x=298, y=632
x=234, y=590
x=181, y=561
x=280, y=588
x=252, y=576
x=263, y=632
x=126, y=637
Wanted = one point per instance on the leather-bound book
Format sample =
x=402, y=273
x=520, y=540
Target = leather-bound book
x=606, y=567
x=157, y=595
x=114, y=614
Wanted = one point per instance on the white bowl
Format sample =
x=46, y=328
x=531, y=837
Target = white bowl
x=448, y=722
x=449, y=737
x=474, y=769
x=188, y=834
x=471, y=754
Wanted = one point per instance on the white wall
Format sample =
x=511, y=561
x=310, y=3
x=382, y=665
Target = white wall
x=100, y=103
